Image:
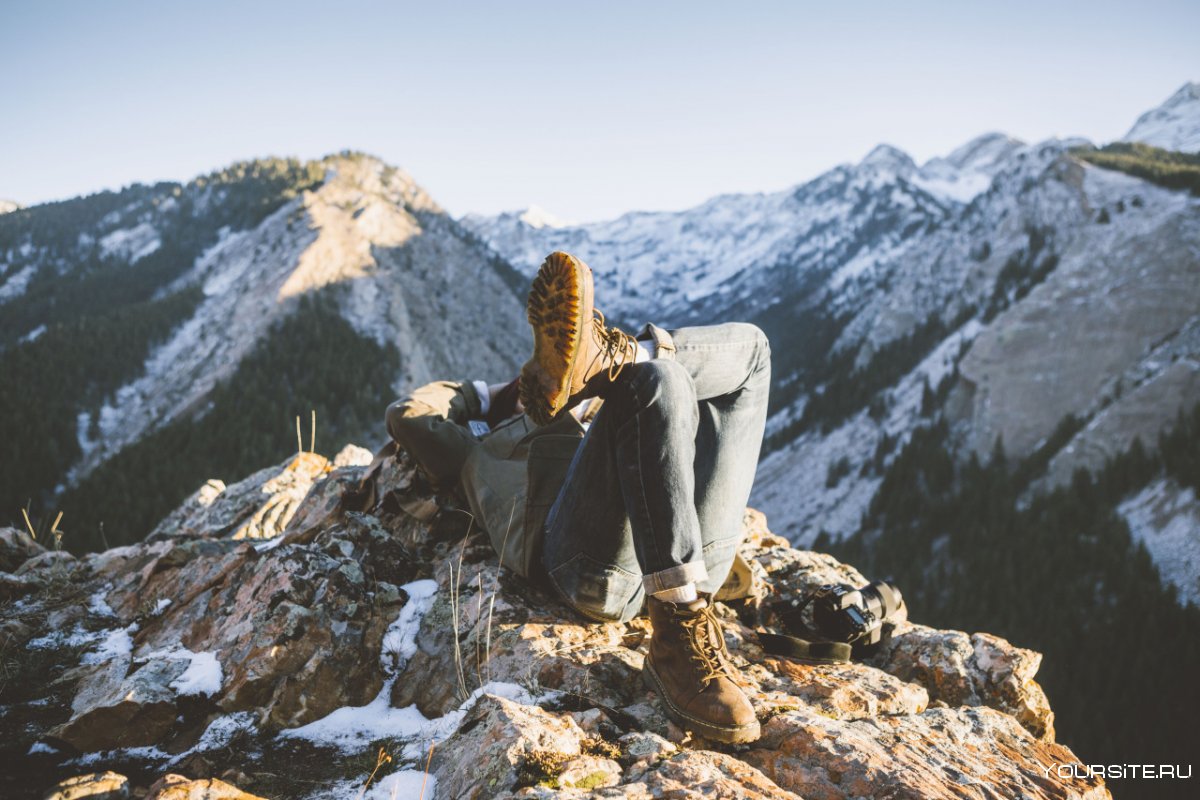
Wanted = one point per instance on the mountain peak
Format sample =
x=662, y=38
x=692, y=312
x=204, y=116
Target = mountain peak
x=1174, y=125
x=7, y=206
x=1187, y=93
x=983, y=151
x=885, y=155
x=537, y=217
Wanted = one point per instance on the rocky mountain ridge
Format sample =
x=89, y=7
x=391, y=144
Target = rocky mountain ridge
x=1175, y=125
x=265, y=638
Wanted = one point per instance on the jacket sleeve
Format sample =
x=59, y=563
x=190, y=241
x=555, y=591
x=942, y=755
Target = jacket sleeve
x=430, y=425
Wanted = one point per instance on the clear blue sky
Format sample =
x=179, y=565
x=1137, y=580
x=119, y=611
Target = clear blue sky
x=588, y=110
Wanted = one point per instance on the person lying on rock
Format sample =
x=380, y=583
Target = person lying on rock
x=623, y=482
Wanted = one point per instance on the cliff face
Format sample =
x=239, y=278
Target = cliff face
x=263, y=637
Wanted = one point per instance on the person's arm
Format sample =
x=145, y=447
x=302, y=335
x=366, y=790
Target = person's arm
x=430, y=425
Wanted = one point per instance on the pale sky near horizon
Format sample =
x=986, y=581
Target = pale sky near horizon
x=588, y=110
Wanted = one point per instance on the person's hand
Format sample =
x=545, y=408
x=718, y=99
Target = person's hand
x=505, y=402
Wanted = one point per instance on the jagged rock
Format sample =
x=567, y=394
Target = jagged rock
x=297, y=630
x=16, y=547
x=177, y=787
x=58, y=561
x=940, y=753
x=500, y=743
x=258, y=507
x=15, y=586
x=688, y=775
x=322, y=506
x=191, y=513
x=695, y=774
x=112, y=710
x=95, y=786
x=951, y=666
x=972, y=670
x=527, y=637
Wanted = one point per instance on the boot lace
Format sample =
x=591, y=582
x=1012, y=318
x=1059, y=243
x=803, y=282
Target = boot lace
x=617, y=347
x=699, y=632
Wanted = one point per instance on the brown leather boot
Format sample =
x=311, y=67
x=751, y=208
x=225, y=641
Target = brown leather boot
x=574, y=353
x=689, y=668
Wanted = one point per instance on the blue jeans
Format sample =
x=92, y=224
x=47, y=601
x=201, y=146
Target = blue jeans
x=655, y=494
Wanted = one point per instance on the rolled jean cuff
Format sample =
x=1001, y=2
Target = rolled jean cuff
x=664, y=343
x=675, y=577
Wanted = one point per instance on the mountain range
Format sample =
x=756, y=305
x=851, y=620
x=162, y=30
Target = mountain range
x=986, y=366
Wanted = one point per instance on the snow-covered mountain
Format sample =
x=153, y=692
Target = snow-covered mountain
x=679, y=265
x=1174, y=125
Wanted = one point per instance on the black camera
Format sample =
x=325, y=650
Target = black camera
x=842, y=613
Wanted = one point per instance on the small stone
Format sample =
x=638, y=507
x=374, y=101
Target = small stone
x=642, y=746
x=589, y=772
x=94, y=786
x=352, y=456
x=177, y=787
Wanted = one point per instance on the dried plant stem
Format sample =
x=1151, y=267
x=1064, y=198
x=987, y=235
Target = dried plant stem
x=428, y=761
x=380, y=759
x=28, y=524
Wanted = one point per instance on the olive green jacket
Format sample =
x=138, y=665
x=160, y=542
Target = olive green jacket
x=509, y=477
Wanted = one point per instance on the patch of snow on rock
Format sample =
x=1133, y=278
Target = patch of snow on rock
x=117, y=644
x=1165, y=517
x=132, y=243
x=202, y=676
x=98, y=605
x=400, y=640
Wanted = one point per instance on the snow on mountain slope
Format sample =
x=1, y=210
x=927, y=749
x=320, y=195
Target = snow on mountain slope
x=1120, y=289
x=793, y=484
x=406, y=274
x=14, y=285
x=676, y=267
x=1165, y=517
x=131, y=244
x=1174, y=125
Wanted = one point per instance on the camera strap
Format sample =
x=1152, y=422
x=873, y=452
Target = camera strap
x=778, y=644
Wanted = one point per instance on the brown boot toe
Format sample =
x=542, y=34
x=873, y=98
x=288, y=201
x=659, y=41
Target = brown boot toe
x=686, y=668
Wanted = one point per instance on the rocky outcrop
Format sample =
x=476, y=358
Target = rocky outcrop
x=17, y=547
x=394, y=629
x=95, y=786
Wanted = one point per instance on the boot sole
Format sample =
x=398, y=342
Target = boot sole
x=729, y=734
x=560, y=293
